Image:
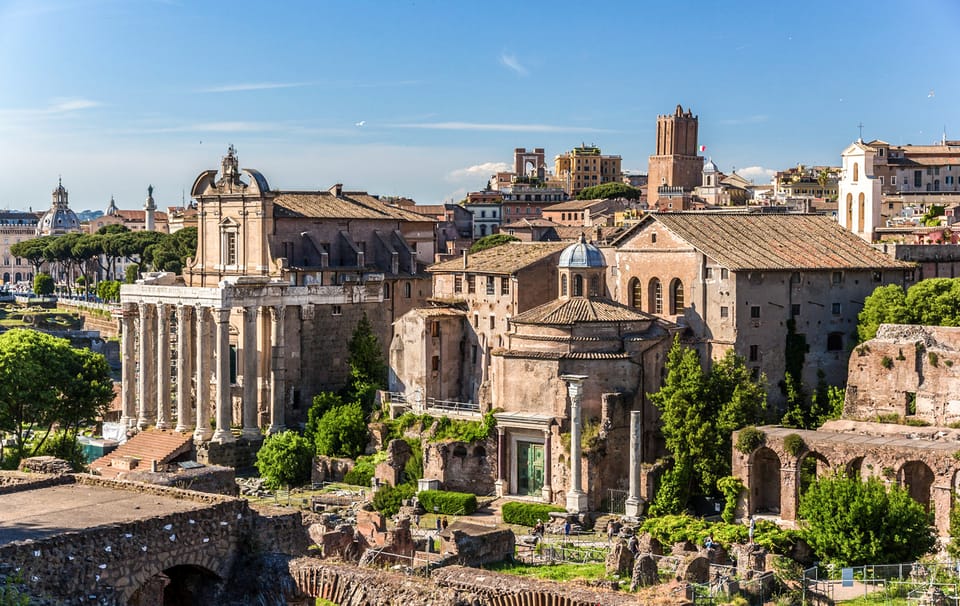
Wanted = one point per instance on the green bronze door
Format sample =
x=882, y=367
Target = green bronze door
x=529, y=468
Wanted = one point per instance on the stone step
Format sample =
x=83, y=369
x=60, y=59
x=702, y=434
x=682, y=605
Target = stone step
x=157, y=445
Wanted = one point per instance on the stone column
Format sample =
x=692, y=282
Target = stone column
x=547, y=491
x=224, y=408
x=277, y=369
x=251, y=429
x=128, y=340
x=633, y=509
x=184, y=368
x=502, y=484
x=202, y=338
x=576, y=498
x=163, y=366
x=146, y=381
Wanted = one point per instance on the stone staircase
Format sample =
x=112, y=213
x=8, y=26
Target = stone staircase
x=139, y=452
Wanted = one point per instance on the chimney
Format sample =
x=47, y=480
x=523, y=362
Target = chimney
x=337, y=190
x=465, y=254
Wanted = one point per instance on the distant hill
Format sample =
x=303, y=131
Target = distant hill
x=89, y=215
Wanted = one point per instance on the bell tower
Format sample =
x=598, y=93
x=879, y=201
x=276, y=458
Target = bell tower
x=675, y=164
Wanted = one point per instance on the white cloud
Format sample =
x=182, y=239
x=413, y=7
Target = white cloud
x=484, y=170
x=507, y=128
x=69, y=105
x=757, y=174
x=510, y=61
x=247, y=86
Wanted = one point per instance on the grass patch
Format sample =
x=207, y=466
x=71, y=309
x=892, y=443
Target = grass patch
x=553, y=572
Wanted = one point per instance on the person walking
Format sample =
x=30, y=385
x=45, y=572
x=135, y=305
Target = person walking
x=753, y=528
x=610, y=530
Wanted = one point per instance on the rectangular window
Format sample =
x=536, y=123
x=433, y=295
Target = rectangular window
x=881, y=180
x=724, y=273
x=917, y=178
x=878, y=276
x=493, y=322
x=755, y=373
x=754, y=353
x=476, y=320
x=458, y=283
x=893, y=180
x=434, y=329
x=709, y=275
x=795, y=277
x=504, y=285
x=835, y=309
x=491, y=289
x=755, y=311
x=836, y=277
x=471, y=284
x=231, y=252
x=435, y=364
x=794, y=310
x=724, y=311
x=336, y=310
x=908, y=275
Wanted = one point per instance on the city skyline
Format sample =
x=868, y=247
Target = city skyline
x=427, y=100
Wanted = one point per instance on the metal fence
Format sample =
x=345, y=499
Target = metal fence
x=914, y=582
x=617, y=501
x=433, y=405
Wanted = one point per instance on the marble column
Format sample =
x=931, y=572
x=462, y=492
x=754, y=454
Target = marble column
x=224, y=406
x=277, y=369
x=251, y=430
x=633, y=505
x=502, y=485
x=146, y=381
x=202, y=339
x=576, y=498
x=184, y=368
x=163, y=366
x=547, y=491
x=128, y=341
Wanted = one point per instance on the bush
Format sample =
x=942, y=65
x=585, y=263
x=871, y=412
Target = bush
x=64, y=447
x=448, y=503
x=43, y=285
x=750, y=439
x=284, y=460
x=363, y=470
x=730, y=487
x=341, y=432
x=463, y=431
x=793, y=444
x=527, y=514
x=672, y=529
x=388, y=499
x=886, y=362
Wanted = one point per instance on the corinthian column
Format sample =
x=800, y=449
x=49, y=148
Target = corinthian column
x=636, y=452
x=277, y=369
x=251, y=429
x=128, y=339
x=184, y=368
x=146, y=381
x=224, y=409
x=576, y=499
x=202, y=337
x=163, y=366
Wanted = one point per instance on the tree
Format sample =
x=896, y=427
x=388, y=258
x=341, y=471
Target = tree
x=131, y=273
x=368, y=370
x=44, y=382
x=42, y=285
x=341, y=432
x=698, y=412
x=850, y=522
x=322, y=403
x=492, y=241
x=608, y=191
x=931, y=302
x=285, y=460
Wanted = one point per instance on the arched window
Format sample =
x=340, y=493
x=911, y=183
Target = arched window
x=483, y=230
x=636, y=293
x=849, y=211
x=676, y=297
x=861, y=207
x=577, y=285
x=407, y=290
x=563, y=285
x=856, y=172
x=655, y=296
x=386, y=290
x=594, y=286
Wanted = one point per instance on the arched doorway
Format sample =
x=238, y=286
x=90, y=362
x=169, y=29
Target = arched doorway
x=917, y=478
x=183, y=584
x=853, y=469
x=813, y=465
x=765, y=482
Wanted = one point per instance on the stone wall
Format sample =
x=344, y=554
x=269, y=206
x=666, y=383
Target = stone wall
x=330, y=469
x=461, y=466
x=241, y=454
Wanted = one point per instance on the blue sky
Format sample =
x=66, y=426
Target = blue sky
x=425, y=98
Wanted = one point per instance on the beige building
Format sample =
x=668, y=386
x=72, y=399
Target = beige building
x=16, y=226
x=749, y=282
x=585, y=213
x=585, y=166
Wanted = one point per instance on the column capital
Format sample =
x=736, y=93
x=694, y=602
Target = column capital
x=277, y=312
x=221, y=315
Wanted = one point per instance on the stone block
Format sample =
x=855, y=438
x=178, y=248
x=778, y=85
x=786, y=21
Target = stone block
x=694, y=568
x=644, y=573
x=619, y=560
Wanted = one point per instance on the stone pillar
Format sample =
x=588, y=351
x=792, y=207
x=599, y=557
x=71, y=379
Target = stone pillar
x=146, y=381
x=502, y=485
x=184, y=368
x=202, y=338
x=576, y=498
x=547, y=491
x=128, y=380
x=163, y=366
x=250, y=426
x=633, y=504
x=224, y=408
x=277, y=369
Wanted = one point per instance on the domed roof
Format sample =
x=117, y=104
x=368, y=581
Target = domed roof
x=710, y=167
x=582, y=254
x=58, y=220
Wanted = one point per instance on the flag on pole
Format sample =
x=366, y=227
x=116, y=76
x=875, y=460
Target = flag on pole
x=703, y=148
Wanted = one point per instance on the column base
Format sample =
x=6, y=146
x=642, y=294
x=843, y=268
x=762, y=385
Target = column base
x=500, y=488
x=202, y=435
x=576, y=502
x=143, y=423
x=633, y=508
x=162, y=425
x=223, y=436
x=128, y=422
x=182, y=428
x=546, y=493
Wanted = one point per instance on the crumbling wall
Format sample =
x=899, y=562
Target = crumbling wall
x=462, y=466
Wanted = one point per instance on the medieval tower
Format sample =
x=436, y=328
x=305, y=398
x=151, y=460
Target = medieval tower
x=676, y=168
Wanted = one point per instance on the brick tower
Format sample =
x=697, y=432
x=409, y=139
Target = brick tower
x=676, y=165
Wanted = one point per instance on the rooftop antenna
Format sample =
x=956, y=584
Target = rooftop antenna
x=860, y=126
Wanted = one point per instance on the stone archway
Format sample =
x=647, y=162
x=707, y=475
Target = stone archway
x=180, y=584
x=765, y=482
x=917, y=478
x=812, y=466
x=854, y=468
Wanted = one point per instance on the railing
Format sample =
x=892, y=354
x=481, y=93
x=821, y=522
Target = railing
x=432, y=405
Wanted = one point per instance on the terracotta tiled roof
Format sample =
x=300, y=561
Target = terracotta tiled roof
x=503, y=259
x=773, y=242
x=574, y=205
x=572, y=232
x=525, y=223
x=350, y=205
x=561, y=355
x=580, y=309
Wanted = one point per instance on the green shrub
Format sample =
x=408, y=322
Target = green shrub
x=363, y=470
x=886, y=362
x=463, y=431
x=892, y=418
x=730, y=487
x=793, y=444
x=933, y=358
x=448, y=503
x=749, y=439
x=672, y=529
x=917, y=423
x=66, y=447
x=527, y=514
x=388, y=499
x=285, y=459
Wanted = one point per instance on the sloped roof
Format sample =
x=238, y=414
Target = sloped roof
x=574, y=205
x=773, y=242
x=576, y=310
x=503, y=259
x=350, y=205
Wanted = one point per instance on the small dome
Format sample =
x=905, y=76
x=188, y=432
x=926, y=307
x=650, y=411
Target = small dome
x=58, y=221
x=710, y=167
x=582, y=254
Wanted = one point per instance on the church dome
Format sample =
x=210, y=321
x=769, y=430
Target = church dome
x=59, y=219
x=582, y=254
x=710, y=167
